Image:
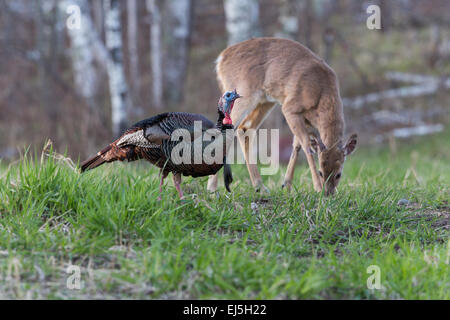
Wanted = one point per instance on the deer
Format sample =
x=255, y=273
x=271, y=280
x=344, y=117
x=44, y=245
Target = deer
x=273, y=71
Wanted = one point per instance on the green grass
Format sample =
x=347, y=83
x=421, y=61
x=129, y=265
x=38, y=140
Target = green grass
x=297, y=245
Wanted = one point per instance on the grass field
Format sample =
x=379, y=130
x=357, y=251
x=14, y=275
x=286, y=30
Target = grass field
x=242, y=245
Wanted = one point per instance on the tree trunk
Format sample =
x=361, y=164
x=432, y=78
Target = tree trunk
x=178, y=31
x=428, y=86
x=99, y=17
x=117, y=82
x=82, y=52
x=288, y=19
x=133, y=43
x=43, y=9
x=328, y=40
x=242, y=20
x=386, y=15
x=153, y=6
x=307, y=23
x=86, y=42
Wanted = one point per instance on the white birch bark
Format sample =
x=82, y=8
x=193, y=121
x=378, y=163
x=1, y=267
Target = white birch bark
x=419, y=130
x=132, y=15
x=117, y=82
x=242, y=19
x=430, y=85
x=83, y=42
x=153, y=6
x=179, y=22
x=411, y=77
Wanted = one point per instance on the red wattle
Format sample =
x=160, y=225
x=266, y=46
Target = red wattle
x=227, y=120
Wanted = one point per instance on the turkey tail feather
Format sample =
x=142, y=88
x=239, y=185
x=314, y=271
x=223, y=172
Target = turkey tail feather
x=227, y=176
x=95, y=161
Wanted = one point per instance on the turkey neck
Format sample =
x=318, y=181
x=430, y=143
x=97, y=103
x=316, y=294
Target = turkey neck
x=219, y=125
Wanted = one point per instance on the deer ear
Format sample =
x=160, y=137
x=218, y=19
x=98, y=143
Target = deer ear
x=350, y=145
x=316, y=144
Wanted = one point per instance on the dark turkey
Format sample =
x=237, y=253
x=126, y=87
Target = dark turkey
x=175, y=142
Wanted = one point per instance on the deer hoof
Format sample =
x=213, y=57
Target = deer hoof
x=212, y=184
x=287, y=185
x=262, y=188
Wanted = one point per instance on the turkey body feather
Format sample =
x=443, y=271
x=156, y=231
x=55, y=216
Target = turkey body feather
x=151, y=139
x=194, y=151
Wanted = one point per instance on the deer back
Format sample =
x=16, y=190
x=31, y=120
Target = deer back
x=266, y=70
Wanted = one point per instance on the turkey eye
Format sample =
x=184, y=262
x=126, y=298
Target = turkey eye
x=320, y=173
x=227, y=95
x=338, y=176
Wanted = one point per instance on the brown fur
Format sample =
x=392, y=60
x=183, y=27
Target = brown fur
x=271, y=71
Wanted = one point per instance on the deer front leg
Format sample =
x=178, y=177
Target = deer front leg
x=298, y=127
x=212, y=183
x=296, y=147
x=312, y=167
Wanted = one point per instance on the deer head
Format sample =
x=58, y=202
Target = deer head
x=331, y=161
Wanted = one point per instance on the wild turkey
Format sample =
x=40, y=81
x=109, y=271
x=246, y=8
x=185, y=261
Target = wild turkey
x=151, y=139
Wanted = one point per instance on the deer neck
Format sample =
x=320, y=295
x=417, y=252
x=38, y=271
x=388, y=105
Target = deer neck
x=332, y=129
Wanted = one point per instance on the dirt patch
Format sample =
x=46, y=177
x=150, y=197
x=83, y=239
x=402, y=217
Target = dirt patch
x=439, y=216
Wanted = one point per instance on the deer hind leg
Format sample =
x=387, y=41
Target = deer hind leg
x=246, y=133
x=296, y=147
x=298, y=127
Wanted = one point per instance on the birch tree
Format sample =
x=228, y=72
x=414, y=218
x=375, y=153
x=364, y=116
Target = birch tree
x=83, y=41
x=178, y=31
x=117, y=82
x=132, y=15
x=242, y=19
x=153, y=6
